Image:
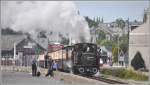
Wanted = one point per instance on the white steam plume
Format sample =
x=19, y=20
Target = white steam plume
x=34, y=16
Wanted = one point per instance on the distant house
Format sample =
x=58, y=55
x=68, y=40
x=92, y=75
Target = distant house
x=26, y=49
x=110, y=31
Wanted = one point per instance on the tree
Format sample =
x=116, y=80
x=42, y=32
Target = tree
x=101, y=35
x=115, y=54
x=64, y=40
x=10, y=31
x=107, y=43
x=91, y=23
x=102, y=21
x=42, y=34
x=138, y=62
x=120, y=23
x=123, y=43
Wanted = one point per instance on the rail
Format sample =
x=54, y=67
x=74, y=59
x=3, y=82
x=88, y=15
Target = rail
x=106, y=80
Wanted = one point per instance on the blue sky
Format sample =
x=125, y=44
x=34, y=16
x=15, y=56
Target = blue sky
x=111, y=10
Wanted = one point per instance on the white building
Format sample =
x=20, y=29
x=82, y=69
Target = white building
x=138, y=42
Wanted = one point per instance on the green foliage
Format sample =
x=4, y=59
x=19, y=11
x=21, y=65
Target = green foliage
x=106, y=71
x=120, y=23
x=123, y=46
x=42, y=34
x=101, y=35
x=138, y=62
x=115, y=54
x=110, y=44
x=98, y=42
x=123, y=43
x=107, y=43
x=64, y=41
x=91, y=23
x=9, y=31
x=125, y=74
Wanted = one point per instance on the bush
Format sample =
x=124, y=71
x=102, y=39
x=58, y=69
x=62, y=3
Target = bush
x=125, y=74
x=120, y=73
x=106, y=71
x=138, y=62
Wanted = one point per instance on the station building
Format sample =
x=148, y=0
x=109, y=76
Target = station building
x=25, y=48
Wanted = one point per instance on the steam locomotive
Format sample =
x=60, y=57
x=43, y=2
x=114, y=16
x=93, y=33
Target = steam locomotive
x=80, y=58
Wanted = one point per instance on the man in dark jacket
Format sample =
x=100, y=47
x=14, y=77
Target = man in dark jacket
x=34, y=67
x=50, y=68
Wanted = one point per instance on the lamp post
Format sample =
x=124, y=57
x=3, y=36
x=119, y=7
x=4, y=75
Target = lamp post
x=149, y=39
x=0, y=64
x=14, y=56
x=118, y=49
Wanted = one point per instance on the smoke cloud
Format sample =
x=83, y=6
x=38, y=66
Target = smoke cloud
x=35, y=16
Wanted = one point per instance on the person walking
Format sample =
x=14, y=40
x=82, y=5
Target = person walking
x=34, y=67
x=50, y=68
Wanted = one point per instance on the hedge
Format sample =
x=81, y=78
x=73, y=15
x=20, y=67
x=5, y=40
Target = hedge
x=125, y=74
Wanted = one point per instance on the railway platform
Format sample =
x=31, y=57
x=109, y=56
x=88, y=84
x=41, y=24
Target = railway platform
x=20, y=77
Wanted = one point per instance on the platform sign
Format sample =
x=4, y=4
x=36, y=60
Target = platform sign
x=29, y=45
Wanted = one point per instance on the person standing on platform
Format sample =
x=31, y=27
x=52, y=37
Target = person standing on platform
x=55, y=65
x=46, y=61
x=34, y=67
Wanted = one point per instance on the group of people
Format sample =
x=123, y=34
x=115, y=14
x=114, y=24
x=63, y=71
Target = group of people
x=51, y=65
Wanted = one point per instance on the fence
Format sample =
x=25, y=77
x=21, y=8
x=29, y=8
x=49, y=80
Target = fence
x=9, y=63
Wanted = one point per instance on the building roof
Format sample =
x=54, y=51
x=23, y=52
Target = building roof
x=139, y=36
x=110, y=30
x=142, y=29
x=42, y=42
x=9, y=40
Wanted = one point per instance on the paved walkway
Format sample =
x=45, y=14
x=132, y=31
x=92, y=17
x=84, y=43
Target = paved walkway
x=21, y=78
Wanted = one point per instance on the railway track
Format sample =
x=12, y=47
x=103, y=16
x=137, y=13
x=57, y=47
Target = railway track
x=106, y=80
x=102, y=79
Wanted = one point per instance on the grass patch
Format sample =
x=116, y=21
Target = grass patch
x=125, y=74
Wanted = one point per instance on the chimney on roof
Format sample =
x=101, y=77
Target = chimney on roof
x=78, y=12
